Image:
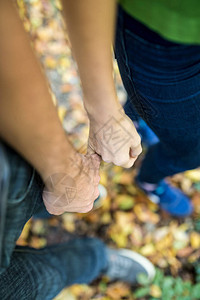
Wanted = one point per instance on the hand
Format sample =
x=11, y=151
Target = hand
x=75, y=187
x=114, y=137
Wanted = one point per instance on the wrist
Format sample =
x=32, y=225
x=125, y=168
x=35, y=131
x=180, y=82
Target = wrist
x=56, y=159
x=102, y=106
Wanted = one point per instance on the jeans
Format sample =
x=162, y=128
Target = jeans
x=162, y=80
x=27, y=273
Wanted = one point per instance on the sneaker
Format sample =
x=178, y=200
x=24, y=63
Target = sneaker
x=125, y=265
x=147, y=135
x=169, y=198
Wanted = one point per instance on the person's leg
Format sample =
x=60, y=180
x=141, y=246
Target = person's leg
x=162, y=82
x=148, y=137
x=42, y=274
x=28, y=273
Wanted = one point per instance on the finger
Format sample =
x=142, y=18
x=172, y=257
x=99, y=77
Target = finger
x=135, y=151
x=86, y=209
x=124, y=160
x=106, y=158
x=129, y=163
x=55, y=211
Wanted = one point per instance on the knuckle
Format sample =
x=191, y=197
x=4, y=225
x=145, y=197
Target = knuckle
x=129, y=164
x=120, y=161
x=117, y=162
x=139, y=140
x=106, y=159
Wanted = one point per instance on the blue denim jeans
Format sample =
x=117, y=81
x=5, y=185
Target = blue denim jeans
x=27, y=273
x=162, y=80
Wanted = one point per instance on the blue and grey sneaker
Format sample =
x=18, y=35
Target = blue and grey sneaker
x=169, y=198
x=125, y=265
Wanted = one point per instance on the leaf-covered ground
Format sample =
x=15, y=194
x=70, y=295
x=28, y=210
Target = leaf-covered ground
x=126, y=218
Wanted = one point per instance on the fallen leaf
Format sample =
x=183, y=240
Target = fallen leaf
x=194, y=175
x=125, y=202
x=195, y=240
x=155, y=291
x=118, y=290
x=148, y=250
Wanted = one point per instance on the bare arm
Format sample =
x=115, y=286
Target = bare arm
x=28, y=118
x=91, y=28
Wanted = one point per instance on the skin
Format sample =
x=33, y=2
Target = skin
x=28, y=118
x=91, y=28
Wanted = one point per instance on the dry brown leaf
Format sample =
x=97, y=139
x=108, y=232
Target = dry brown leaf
x=185, y=252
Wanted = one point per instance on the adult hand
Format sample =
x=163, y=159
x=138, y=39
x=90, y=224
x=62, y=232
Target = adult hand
x=114, y=137
x=75, y=187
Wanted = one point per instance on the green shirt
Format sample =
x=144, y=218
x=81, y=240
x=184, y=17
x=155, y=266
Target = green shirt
x=175, y=20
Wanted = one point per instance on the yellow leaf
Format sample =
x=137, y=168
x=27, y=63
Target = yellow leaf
x=25, y=232
x=68, y=222
x=106, y=218
x=104, y=178
x=65, y=294
x=62, y=113
x=120, y=239
x=37, y=242
x=118, y=291
x=124, y=201
x=165, y=242
x=64, y=62
x=148, y=250
x=58, y=4
x=155, y=291
x=124, y=218
x=50, y=62
x=195, y=240
x=131, y=189
x=194, y=175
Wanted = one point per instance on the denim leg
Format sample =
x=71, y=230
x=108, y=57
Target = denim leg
x=28, y=273
x=24, y=199
x=130, y=111
x=163, y=87
x=41, y=274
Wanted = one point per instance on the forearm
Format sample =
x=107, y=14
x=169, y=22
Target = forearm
x=28, y=118
x=91, y=27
